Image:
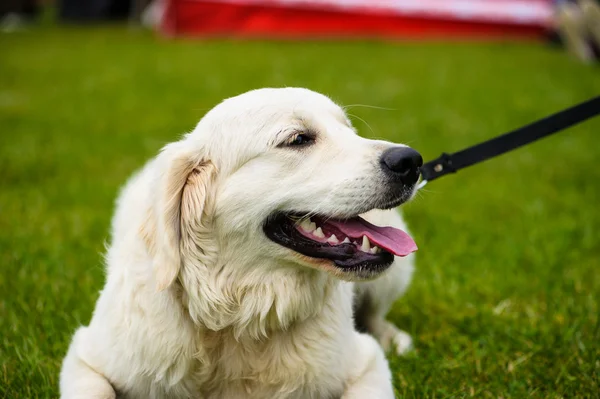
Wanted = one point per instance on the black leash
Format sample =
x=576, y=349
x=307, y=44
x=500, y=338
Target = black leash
x=452, y=163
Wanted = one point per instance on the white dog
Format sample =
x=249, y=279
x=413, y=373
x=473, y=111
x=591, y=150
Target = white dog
x=233, y=251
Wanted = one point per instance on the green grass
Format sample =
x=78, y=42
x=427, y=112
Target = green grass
x=505, y=299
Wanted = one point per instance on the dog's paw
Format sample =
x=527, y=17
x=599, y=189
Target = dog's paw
x=403, y=343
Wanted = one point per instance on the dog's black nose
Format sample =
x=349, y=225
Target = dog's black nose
x=403, y=163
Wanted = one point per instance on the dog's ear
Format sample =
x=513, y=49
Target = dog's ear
x=183, y=190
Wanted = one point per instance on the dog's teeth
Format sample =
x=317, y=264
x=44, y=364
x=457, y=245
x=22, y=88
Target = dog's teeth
x=366, y=245
x=319, y=233
x=375, y=250
x=346, y=241
x=333, y=239
x=312, y=226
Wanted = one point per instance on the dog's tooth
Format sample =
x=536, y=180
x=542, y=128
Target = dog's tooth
x=319, y=233
x=366, y=245
x=333, y=239
x=375, y=250
x=305, y=224
x=346, y=241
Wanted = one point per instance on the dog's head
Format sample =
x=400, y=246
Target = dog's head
x=277, y=178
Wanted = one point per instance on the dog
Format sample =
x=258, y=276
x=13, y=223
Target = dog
x=256, y=257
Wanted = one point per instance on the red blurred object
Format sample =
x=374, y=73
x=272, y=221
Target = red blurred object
x=401, y=19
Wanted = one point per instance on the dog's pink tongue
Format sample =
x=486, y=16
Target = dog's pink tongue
x=389, y=238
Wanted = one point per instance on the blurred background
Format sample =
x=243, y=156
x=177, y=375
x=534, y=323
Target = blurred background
x=505, y=300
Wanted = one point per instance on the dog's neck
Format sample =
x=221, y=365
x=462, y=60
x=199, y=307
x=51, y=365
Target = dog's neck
x=254, y=302
x=250, y=295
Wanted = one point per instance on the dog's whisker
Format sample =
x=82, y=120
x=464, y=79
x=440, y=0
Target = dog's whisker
x=345, y=107
x=427, y=190
x=363, y=121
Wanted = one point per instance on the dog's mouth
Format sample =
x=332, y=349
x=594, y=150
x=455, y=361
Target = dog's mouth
x=351, y=244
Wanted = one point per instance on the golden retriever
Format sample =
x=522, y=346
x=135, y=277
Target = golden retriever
x=239, y=265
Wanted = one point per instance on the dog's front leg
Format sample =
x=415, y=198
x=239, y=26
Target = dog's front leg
x=78, y=380
x=370, y=372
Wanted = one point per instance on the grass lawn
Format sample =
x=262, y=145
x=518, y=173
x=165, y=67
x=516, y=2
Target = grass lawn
x=505, y=301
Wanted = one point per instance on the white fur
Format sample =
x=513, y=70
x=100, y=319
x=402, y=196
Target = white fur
x=199, y=303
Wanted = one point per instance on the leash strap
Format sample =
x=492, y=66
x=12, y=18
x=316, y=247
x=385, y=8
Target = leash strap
x=452, y=163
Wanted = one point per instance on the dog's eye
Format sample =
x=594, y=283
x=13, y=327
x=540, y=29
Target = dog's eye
x=300, y=140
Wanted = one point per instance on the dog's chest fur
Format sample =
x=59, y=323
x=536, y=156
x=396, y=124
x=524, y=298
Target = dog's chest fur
x=309, y=358
x=276, y=367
